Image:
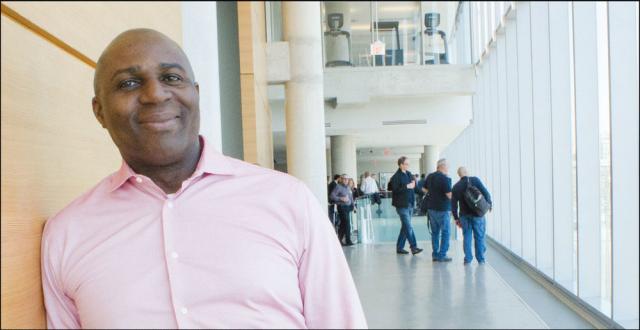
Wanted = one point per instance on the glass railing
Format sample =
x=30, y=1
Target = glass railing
x=389, y=33
x=363, y=224
x=379, y=223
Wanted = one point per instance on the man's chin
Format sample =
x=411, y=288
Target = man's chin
x=164, y=149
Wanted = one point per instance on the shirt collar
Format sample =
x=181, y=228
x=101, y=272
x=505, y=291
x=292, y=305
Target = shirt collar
x=211, y=162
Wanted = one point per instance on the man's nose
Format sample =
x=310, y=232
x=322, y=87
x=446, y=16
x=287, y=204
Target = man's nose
x=154, y=92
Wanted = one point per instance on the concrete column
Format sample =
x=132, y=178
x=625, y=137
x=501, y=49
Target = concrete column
x=343, y=155
x=430, y=159
x=304, y=100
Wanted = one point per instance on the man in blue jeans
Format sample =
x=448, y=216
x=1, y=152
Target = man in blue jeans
x=470, y=223
x=438, y=186
x=402, y=184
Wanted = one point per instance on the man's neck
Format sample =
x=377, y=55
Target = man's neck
x=170, y=177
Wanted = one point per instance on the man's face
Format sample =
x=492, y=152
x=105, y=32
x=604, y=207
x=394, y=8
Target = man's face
x=405, y=165
x=146, y=98
x=344, y=180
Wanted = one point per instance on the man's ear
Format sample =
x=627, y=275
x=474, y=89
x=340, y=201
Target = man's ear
x=97, y=110
x=197, y=87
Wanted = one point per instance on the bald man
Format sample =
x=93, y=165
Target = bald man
x=471, y=223
x=175, y=238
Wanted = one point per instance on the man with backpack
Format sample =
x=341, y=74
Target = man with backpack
x=475, y=202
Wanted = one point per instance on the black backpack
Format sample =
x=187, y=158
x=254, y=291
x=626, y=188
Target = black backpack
x=475, y=200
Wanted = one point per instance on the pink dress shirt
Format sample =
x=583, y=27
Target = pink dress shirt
x=238, y=246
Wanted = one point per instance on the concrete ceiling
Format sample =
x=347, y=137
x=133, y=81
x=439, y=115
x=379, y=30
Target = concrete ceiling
x=446, y=116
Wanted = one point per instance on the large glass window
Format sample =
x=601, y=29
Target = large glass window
x=574, y=162
x=390, y=33
x=605, y=157
x=597, y=104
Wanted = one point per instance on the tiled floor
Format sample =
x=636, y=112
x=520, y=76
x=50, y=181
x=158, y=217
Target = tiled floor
x=405, y=291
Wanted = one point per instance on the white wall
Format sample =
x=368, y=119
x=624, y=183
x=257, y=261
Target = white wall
x=200, y=43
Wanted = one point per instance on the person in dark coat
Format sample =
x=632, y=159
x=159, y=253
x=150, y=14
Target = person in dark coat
x=402, y=184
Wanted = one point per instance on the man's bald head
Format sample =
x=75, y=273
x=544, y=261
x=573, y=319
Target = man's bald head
x=127, y=40
x=462, y=171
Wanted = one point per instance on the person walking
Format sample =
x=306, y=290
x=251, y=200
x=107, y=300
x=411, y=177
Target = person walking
x=402, y=184
x=343, y=197
x=438, y=186
x=471, y=223
x=332, y=206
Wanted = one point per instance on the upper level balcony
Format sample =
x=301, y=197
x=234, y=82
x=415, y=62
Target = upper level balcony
x=379, y=49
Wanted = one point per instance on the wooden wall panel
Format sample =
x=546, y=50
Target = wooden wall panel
x=90, y=26
x=245, y=37
x=53, y=149
x=248, y=103
x=256, y=115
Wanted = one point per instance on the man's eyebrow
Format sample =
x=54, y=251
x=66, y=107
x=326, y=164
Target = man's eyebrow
x=171, y=66
x=131, y=69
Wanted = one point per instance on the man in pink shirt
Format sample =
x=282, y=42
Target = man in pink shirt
x=182, y=236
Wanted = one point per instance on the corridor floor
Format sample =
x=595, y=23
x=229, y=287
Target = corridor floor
x=405, y=291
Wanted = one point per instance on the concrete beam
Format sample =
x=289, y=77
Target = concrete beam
x=360, y=84
x=278, y=71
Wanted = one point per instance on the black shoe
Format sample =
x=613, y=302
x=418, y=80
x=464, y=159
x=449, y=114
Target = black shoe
x=349, y=244
x=416, y=251
x=434, y=259
x=445, y=259
x=402, y=251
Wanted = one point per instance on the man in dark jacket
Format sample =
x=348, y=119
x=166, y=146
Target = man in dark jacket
x=402, y=184
x=468, y=220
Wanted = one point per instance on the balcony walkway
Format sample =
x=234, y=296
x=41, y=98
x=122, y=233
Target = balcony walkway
x=405, y=291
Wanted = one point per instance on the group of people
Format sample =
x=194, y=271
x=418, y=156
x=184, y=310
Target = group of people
x=342, y=193
x=442, y=200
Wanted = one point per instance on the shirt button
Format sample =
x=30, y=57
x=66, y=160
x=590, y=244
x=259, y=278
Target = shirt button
x=138, y=179
x=170, y=205
x=184, y=310
x=174, y=255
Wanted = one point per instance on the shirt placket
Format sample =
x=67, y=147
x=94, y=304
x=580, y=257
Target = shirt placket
x=172, y=259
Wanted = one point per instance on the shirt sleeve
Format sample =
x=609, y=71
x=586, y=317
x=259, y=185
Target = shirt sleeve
x=425, y=185
x=329, y=295
x=333, y=196
x=60, y=309
x=397, y=185
x=454, y=203
x=446, y=184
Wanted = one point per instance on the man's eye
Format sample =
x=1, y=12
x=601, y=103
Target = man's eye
x=128, y=84
x=172, y=78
